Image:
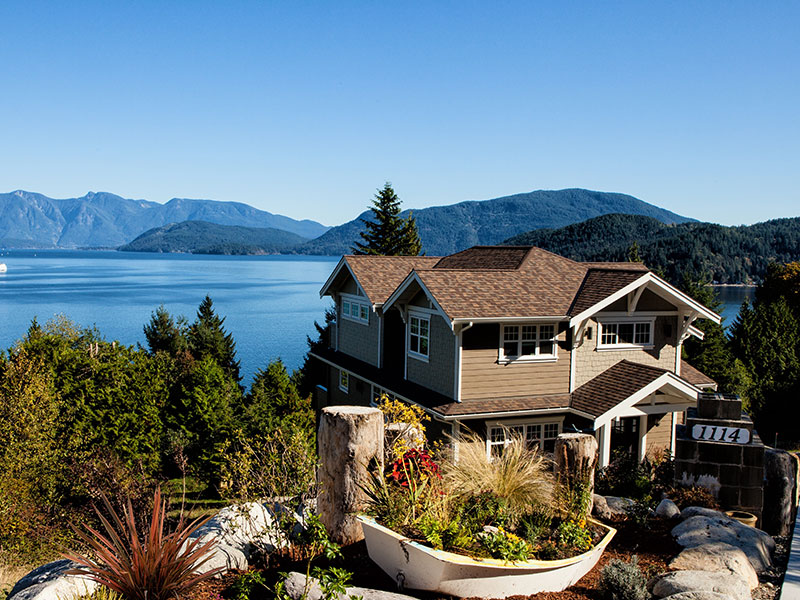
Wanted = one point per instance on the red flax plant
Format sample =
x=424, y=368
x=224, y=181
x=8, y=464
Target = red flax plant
x=159, y=566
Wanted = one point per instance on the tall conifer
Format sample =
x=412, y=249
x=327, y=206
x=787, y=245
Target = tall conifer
x=388, y=234
x=208, y=338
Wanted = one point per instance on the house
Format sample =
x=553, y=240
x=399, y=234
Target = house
x=503, y=339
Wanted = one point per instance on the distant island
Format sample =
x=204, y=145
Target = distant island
x=729, y=255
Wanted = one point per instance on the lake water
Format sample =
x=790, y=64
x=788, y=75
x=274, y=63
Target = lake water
x=732, y=298
x=269, y=303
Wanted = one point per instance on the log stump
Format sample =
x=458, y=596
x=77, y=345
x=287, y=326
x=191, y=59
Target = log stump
x=576, y=459
x=350, y=442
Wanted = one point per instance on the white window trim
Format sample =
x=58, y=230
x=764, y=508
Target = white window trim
x=421, y=316
x=550, y=420
x=344, y=381
x=505, y=360
x=602, y=322
x=359, y=301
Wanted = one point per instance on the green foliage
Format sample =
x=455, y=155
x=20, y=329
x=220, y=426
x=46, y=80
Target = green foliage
x=505, y=545
x=640, y=513
x=728, y=254
x=164, y=334
x=157, y=565
x=389, y=234
x=694, y=495
x=274, y=401
x=574, y=535
x=625, y=476
x=246, y=583
x=208, y=339
x=620, y=580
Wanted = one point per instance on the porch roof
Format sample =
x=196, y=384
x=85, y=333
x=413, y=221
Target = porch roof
x=614, y=385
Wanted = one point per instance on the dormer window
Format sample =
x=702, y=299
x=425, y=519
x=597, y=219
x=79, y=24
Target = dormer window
x=355, y=309
x=529, y=341
x=624, y=334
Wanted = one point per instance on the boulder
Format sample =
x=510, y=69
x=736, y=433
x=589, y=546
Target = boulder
x=239, y=530
x=51, y=582
x=699, y=595
x=667, y=509
x=679, y=582
x=618, y=505
x=719, y=557
x=600, y=508
x=701, y=511
x=698, y=530
x=295, y=586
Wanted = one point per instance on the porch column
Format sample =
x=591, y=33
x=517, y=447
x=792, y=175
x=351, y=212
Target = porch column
x=604, y=445
x=642, y=437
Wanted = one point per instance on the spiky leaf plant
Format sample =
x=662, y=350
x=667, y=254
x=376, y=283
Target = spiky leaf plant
x=156, y=566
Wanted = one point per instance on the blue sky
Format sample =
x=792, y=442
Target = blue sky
x=305, y=108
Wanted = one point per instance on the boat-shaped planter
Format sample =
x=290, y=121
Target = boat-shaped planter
x=415, y=566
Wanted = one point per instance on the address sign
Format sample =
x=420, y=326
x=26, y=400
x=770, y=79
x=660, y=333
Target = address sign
x=715, y=433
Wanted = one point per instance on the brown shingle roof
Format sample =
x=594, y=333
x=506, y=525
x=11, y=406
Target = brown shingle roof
x=600, y=284
x=502, y=405
x=695, y=376
x=485, y=257
x=380, y=275
x=599, y=395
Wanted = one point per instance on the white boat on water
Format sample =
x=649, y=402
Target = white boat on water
x=3, y=268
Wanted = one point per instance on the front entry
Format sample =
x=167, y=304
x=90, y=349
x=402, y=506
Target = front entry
x=625, y=435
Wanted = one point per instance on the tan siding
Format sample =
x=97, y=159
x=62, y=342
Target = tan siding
x=438, y=372
x=483, y=377
x=659, y=433
x=358, y=339
x=591, y=361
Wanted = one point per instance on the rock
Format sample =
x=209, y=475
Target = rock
x=699, y=530
x=780, y=485
x=699, y=595
x=50, y=582
x=618, y=505
x=600, y=508
x=667, y=509
x=701, y=511
x=718, y=557
x=350, y=438
x=295, y=586
x=701, y=581
x=239, y=530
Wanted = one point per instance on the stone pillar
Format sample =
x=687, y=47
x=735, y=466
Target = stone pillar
x=350, y=440
x=780, y=484
x=576, y=459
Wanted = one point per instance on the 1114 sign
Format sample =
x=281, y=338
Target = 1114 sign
x=716, y=433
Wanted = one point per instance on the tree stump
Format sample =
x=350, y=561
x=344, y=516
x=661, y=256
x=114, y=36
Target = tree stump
x=350, y=442
x=576, y=459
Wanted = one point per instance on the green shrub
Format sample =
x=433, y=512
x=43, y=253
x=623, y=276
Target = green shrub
x=694, y=495
x=620, y=580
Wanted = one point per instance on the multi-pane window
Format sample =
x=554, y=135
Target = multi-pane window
x=628, y=333
x=529, y=341
x=419, y=333
x=355, y=310
x=541, y=436
x=344, y=381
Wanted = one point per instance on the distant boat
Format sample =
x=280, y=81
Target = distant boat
x=3, y=268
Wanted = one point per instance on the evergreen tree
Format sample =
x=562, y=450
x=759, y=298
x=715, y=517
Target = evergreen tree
x=163, y=334
x=207, y=338
x=633, y=253
x=388, y=234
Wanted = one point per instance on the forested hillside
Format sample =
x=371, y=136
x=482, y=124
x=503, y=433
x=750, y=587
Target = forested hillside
x=725, y=254
x=199, y=237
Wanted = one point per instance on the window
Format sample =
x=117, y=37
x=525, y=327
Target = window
x=540, y=435
x=625, y=334
x=419, y=332
x=529, y=342
x=344, y=381
x=355, y=310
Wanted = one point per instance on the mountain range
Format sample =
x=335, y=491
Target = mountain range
x=447, y=229
x=28, y=219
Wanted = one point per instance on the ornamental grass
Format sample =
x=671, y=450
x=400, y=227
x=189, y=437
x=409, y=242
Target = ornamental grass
x=158, y=565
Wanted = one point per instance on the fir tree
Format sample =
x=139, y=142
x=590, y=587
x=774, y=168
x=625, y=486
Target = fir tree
x=388, y=234
x=274, y=402
x=207, y=338
x=163, y=334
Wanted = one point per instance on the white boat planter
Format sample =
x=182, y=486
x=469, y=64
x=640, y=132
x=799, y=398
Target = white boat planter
x=419, y=567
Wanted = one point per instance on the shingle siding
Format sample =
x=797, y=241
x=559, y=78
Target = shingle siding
x=439, y=372
x=591, y=361
x=359, y=339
